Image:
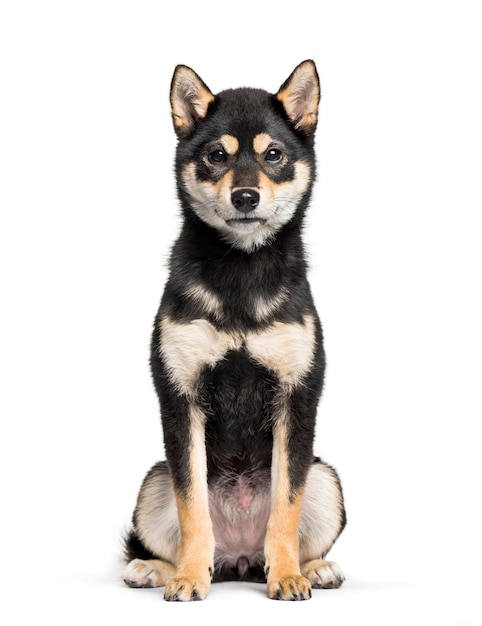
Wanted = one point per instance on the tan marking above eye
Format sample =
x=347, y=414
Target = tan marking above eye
x=262, y=142
x=230, y=144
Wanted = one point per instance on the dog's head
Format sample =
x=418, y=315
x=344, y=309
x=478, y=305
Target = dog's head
x=245, y=157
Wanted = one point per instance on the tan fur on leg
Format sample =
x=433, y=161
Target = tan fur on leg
x=195, y=564
x=195, y=567
x=284, y=579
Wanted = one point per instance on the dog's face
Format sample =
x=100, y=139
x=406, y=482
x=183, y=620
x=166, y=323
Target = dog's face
x=245, y=157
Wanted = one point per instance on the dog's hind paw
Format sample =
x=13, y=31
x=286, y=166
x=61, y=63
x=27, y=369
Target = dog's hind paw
x=323, y=574
x=152, y=573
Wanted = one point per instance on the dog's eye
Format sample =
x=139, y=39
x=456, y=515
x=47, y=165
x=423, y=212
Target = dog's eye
x=218, y=156
x=273, y=155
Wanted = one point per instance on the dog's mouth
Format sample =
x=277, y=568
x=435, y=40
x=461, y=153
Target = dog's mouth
x=235, y=221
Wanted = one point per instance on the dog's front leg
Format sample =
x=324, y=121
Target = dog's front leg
x=196, y=546
x=284, y=579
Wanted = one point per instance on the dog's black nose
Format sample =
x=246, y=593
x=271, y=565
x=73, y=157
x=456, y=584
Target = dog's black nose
x=245, y=200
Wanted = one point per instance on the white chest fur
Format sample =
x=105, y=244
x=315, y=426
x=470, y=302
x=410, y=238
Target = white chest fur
x=287, y=349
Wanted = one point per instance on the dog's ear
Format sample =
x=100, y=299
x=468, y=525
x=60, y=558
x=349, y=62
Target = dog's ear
x=300, y=96
x=190, y=99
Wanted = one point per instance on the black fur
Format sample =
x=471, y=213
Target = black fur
x=239, y=278
x=238, y=394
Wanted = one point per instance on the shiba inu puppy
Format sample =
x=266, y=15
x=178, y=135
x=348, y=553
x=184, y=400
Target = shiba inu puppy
x=237, y=357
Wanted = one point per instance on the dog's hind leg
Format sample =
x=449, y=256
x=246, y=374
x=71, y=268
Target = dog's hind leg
x=322, y=520
x=152, y=544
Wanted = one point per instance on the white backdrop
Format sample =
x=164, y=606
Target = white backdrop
x=88, y=212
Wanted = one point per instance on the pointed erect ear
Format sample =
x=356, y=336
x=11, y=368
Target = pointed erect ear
x=190, y=99
x=300, y=96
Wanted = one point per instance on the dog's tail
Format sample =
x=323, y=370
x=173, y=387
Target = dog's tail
x=135, y=549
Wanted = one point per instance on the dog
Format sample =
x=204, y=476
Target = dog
x=237, y=357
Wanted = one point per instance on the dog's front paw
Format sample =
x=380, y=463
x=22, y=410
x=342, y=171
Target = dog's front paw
x=186, y=589
x=292, y=587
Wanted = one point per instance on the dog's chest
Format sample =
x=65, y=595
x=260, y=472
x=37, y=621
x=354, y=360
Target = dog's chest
x=286, y=350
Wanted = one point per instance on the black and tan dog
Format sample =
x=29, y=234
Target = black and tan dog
x=237, y=357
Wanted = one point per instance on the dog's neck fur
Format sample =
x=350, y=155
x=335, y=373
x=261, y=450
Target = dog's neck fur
x=250, y=287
